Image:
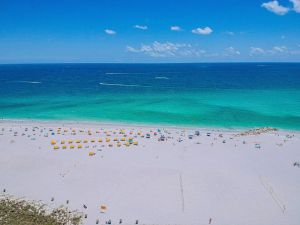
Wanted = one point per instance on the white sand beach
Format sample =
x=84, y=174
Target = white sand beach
x=158, y=175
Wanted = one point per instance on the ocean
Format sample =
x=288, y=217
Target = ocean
x=225, y=95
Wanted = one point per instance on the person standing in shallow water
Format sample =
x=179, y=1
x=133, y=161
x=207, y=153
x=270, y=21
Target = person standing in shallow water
x=210, y=220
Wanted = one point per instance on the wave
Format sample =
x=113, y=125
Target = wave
x=162, y=78
x=29, y=82
x=122, y=85
x=115, y=73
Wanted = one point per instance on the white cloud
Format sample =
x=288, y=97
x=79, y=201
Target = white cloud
x=280, y=49
x=256, y=51
x=110, y=32
x=296, y=5
x=175, y=28
x=231, y=51
x=141, y=27
x=203, y=31
x=167, y=49
x=274, y=7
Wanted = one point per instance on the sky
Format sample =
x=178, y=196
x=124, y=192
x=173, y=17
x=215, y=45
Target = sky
x=142, y=31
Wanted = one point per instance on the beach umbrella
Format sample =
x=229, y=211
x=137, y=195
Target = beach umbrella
x=135, y=143
x=78, y=141
x=56, y=147
x=72, y=146
x=119, y=144
x=53, y=142
x=92, y=153
x=62, y=142
x=85, y=141
x=70, y=141
x=103, y=208
x=107, y=139
x=64, y=147
x=115, y=139
x=100, y=140
x=123, y=139
x=93, y=140
x=79, y=146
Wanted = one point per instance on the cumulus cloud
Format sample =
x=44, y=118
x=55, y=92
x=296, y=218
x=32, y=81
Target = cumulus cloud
x=141, y=27
x=203, y=31
x=280, y=49
x=167, y=49
x=276, y=8
x=110, y=32
x=296, y=5
x=231, y=51
x=175, y=28
x=256, y=51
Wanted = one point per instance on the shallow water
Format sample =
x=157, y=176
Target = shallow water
x=218, y=95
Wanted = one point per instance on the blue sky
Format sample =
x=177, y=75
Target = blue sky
x=149, y=31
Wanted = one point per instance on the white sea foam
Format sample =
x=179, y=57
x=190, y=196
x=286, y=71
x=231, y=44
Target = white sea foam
x=115, y=73
x=162, y=78
x=29, y=82
x=122, y=85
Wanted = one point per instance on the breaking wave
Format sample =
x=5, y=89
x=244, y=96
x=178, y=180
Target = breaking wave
x=122, y=85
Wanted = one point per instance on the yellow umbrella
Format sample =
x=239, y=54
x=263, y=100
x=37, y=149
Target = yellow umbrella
x=92, y=153
x=53, y=142
x=55, y=147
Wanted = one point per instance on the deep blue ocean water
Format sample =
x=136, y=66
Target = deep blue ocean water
x=206, y=94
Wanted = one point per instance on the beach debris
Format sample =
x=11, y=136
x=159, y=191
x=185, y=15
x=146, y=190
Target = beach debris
x=297, y=164
x=257, y=131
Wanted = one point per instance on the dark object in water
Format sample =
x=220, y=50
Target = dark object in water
x=85, y=216
x=52, y=199
x=208, y=134
x=137, y=222
x=97, y=221
x=4, y=190
x=84, y=206
x=120, y=221
x=190, y=136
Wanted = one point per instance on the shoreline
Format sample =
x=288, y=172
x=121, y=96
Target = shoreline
x=135, y=125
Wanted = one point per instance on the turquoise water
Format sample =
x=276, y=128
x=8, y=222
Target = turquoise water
x=217, y=95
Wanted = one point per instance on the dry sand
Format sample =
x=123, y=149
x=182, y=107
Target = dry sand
x=219, y=178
